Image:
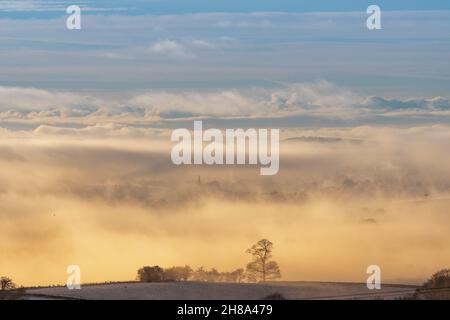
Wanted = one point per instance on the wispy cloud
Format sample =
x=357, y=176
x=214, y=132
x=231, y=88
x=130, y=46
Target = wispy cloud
x=32, y=5
x=51, y=6
x=170, y=48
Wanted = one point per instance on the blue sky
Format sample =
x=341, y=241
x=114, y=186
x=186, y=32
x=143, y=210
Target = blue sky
x=51, y=8
x=185, y=44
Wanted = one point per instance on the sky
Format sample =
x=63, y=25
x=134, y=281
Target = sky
x=86, y=117
x=31, y=8
x=226, y=44
x=285, y=62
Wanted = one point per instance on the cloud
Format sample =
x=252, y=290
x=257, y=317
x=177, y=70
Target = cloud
x=170, y=48
x=76, y=195
x=360, y=162
x=32, y=5
x=203, y=44
x=221, y=103
x=295, y=46
x=322, y=101
x=413, y=104
x=184, y=49
x=51, y=6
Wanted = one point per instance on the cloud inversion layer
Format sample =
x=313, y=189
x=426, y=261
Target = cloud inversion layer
x=321, y=100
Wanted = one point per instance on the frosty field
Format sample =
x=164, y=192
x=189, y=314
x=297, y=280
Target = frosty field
x=220, y=291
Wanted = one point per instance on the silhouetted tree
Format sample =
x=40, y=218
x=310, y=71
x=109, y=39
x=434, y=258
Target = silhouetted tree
x=171, y=274
x=200, y=275
x=185, y=273
x=151, y=274
x=212, y=275
x=237, y=275
x=178, y=273
x=262, y=267
x=6, y=284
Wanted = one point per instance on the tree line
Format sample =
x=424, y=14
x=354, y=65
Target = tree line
x=260, y=268
x=186, y=273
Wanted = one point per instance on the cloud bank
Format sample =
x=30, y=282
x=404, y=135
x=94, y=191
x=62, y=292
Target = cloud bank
x=320, y=101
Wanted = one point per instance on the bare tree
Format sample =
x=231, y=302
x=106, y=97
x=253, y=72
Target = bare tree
x=262, y=267
x=6, y=284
